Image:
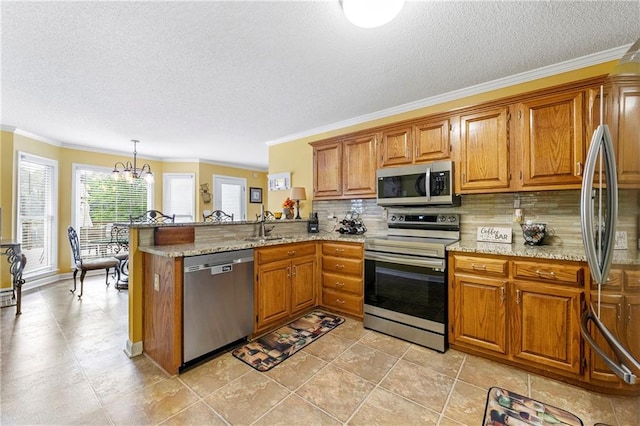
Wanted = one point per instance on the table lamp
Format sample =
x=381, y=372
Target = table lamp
x=298, y=193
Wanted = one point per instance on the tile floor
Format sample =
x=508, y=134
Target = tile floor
x=62, y=363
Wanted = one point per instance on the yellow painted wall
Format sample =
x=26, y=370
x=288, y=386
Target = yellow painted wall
x=281, y=156
x=13, y=143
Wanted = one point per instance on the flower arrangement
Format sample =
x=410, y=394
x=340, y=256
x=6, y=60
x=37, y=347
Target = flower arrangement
x=288, y=203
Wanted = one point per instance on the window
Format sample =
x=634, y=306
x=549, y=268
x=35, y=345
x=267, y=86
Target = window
x=229, y=195
x=178, y=196
x=37, y=205
x=99, y=201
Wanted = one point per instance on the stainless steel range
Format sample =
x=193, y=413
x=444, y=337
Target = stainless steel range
x=405, y=292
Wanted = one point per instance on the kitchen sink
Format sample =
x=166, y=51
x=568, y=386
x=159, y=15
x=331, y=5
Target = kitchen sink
x=267, y=238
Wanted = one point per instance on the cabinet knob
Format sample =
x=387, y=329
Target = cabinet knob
x=340, y=301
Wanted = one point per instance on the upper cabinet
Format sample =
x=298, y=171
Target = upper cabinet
x=345, y=168
x=551, y=141
x=484, y=151
x=418, y=142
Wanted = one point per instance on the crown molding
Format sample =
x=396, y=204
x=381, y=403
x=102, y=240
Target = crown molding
x=524, y=77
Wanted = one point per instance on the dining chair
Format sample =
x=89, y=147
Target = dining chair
x=83, y=266
x=153, y=216
x=16, y=270
x=268, y=215
x=119, y=246
x=217, y=216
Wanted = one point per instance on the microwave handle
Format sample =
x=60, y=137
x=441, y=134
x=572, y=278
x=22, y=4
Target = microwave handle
x=427, y=183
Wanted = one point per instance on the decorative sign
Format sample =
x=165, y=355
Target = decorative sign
x=492, y=234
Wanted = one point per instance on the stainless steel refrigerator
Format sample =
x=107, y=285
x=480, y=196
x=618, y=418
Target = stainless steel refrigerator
x=610, y=219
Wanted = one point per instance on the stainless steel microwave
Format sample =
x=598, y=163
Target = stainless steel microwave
x=419, y=185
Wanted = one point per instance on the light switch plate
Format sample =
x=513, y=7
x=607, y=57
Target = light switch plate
x=621, y=241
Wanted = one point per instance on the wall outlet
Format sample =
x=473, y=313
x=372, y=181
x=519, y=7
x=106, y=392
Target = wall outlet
x=156, y=282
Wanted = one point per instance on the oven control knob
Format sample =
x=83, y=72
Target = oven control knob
x=401, y=218
x=393, y=218
x=441, y=218
x=452, y=218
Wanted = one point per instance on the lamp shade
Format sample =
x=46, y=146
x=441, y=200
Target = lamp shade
x=298, y=193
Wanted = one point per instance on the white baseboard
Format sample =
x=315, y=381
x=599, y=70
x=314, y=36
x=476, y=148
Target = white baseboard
x=132, y=349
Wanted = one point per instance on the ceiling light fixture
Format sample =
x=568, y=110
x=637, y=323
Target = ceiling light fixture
x=130, y=171
x=371, y=13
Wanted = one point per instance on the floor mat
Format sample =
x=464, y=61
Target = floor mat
x=271, y=349
x=508, y=408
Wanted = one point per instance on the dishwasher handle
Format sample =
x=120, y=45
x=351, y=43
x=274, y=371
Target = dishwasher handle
x=218, y=268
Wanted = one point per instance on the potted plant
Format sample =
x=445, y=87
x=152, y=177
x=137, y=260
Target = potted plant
x=287, y=208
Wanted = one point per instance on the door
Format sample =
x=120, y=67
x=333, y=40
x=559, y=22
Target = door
x=327, y=170
x=396, y=146
x=303, y=284
x=359, y=166
x=273, y=292
x=484, y=148
x=479, y=309
x=431, y=140
x=230, y=196
x=552, y=140
x=545, y=321
x=611, y=312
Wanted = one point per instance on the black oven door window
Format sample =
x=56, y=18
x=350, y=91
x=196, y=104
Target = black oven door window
x=416, y=291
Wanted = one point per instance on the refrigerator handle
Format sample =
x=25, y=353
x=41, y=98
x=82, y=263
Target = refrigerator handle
x=599, y=258
x=629, y=368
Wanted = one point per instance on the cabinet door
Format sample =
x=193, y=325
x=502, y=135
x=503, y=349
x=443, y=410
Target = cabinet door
x=484, y=151
x=611, y=311
x=303, y=284
x=327, y=170
x=479, y=313
x=628, y=132
x=552, y=141
x=359, y=166
x=546, y=325
x=632, y=324
x=431, y=140
x=396, y=147
x=273, y=293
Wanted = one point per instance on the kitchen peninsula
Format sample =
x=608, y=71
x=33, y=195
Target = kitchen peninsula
x=156, y=278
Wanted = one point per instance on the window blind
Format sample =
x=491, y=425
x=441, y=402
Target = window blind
x=179, y=196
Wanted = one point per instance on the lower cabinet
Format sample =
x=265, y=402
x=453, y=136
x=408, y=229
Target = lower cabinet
x=524, y=312
x=285, y=283
x=342, y=277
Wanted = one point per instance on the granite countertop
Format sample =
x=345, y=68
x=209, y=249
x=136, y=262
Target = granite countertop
x=195, y=249
x=573, y=253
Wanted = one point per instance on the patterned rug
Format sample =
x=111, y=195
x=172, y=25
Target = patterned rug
x=271, y=349
x=508, y=408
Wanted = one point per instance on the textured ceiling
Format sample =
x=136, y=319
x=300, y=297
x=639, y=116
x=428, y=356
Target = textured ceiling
x=217, y=81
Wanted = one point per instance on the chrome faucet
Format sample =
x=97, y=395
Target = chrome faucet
x=263, y=231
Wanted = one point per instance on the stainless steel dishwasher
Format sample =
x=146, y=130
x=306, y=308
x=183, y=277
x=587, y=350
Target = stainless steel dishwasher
x=218, y=301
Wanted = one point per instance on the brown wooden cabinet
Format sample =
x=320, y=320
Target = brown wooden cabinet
x=484, y=151
x=345, y=168
x=526, y=312
x=416, y=142
x=551, y=141
x=342, y=277
x=285, y=283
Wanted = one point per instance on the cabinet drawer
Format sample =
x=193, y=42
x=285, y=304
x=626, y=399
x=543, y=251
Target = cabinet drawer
x=481, y=265
x=614, y=281
x=342, y=250
x=342, y=282
x=549, y=272
x=342, y=265
x=286, y=251
x=342, y=301
x=632, y=280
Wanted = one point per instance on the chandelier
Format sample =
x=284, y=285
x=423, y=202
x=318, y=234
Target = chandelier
x=130, y=171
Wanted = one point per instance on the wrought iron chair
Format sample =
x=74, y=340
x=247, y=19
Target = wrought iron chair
x=152, y=216
x=268, y=215
x=119, y=245
x=217, y=216
x=83, y=266
x=16, y=270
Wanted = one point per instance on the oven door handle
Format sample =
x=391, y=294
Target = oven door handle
x=405, y=260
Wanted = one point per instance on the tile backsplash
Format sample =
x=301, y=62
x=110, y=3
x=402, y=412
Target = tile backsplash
x=560, y=210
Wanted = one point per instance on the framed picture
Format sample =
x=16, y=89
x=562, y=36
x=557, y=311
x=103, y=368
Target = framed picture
x=255, y=195
x=279, y=181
